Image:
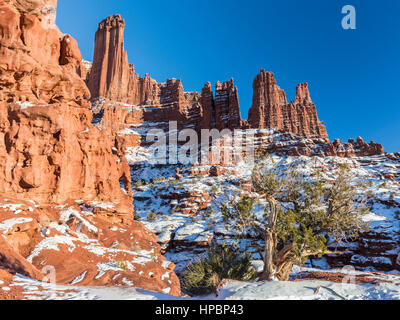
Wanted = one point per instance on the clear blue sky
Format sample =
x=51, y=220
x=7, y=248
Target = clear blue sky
x=353, y=74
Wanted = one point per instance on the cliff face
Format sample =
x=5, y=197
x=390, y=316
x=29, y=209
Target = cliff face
x=113, y=78
x=50, y=150
x=30, y=50
x=69, y=178
x=271, y=109
x=110, y=71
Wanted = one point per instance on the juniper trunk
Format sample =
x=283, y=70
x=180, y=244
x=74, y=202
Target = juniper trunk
x=269, y=253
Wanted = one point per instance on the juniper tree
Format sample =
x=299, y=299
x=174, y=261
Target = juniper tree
x=297, y=218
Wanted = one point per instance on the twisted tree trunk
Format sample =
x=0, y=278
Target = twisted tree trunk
x=269, y=253
x=271, y=242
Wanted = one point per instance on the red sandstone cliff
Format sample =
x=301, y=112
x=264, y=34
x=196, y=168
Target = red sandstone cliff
x=53, y=158
x=50, y=150
x=113, y=78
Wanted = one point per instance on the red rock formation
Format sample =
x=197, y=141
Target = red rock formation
x=52, y=154
x=30, y=51
x=14, y=263
x=208, y=108
x=112, y=77
x=109, y=76
x=351, y=149
x=271, y=109
x=284, y=143
x=103, y=248
x=227, y=110
x=49, y=149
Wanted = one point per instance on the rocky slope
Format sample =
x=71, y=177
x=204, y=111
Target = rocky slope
x=65, y=189
x=271, y=109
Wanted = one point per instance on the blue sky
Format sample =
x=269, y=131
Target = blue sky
x=353, y=74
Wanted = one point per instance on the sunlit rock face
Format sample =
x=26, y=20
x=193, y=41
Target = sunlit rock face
x=65, y=186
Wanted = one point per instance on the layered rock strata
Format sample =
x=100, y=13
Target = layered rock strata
x=65, y=185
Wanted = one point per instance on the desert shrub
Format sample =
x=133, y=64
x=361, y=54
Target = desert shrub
x=220, y=262
x=208, y=212
x=122, y=264
x=138, y=184
x=151, y=216
x=214, y=190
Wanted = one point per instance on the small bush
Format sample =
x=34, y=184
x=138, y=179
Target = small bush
x=151, y=216
x=214, y=190
x=154, y=257
x=158, y=180
x=220, y=262
x=139, y=184
x=122, y=265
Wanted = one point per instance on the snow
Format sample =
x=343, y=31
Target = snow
x=165, y=195
x=370, y=217
x=231, y=290
x=7, y=225
x=11, y=207
x=171, y=225
x=25, y=105
x=307, y=290
x=79, y=278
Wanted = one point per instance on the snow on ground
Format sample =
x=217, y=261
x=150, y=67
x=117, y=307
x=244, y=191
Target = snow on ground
x=154, y=185
x=7, y=225
x=308, y=290
x=231, y=290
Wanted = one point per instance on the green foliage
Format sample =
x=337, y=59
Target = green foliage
x=214, y=190
x=220, y=262
x=151, y=216
x=122, y=264
x=157, y=180
x=302, y=215
x=241, y=211
x=208, y=212
x=140, y=183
